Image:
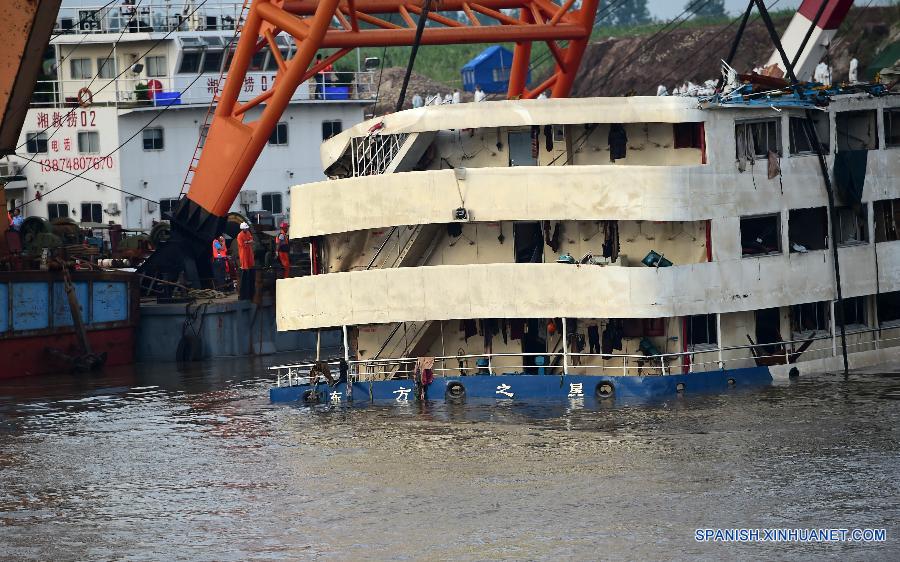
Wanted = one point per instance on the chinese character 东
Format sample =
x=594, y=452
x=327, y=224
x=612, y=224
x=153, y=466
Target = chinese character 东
x=576, y=390
x=402, y=394
x=504, y=389
x=335, y=397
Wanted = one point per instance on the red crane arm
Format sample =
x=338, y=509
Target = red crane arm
x=235, y=141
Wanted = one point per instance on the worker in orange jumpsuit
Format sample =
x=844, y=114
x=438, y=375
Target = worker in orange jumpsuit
x=245, y=255
x=219, y=255
x=283, y=246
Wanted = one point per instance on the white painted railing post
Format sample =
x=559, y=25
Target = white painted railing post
x=565, y=344
x=624, y=365
x=719, y=338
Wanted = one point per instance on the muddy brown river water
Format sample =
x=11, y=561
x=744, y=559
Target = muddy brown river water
x=153, y=463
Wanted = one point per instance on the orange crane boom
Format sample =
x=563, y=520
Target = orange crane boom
x=235, y=141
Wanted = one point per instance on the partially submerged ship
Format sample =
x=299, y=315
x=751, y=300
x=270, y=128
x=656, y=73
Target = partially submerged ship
x=632, y=247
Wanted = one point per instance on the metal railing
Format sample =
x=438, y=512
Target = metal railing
x=148, y=16
x=137, y=92
x=614, y=364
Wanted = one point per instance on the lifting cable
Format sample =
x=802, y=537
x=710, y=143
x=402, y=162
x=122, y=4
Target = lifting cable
x=420, y=27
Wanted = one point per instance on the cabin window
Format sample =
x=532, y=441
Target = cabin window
x=688, y=135
x=156, y=66
x=701, y=331
x=808, y=229
x=91, y=212
x=279, y=136
x=36, y=143
x=272, y=62
x=643, y=327
x=761, y=235
x=106, y=68
x=212, y=61
x=258, y=62
x=853, y=314
x=757, y=138
x=272, y=202
x=204, y=132
x=809, y=318
x=80, y=69
x=88, y=142
x=800, y=141
x=500, y=74
x=167, y=207
x=856, y=130
x=57, y=211
x=190, y=62
x=889, y=309
x=892, y=127
x=852, y=225
x=153, y=139
x=887, y=220
x=528, y=242
x=331, y=128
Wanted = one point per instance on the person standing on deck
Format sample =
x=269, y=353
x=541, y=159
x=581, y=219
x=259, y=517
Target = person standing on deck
x=245, y=255
x=479, y=94
x=219, y=254
x=283, y=246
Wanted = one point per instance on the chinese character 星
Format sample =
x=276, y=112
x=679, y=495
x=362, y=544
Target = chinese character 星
x=402, y=394
x=576, y=390
x=504, y=389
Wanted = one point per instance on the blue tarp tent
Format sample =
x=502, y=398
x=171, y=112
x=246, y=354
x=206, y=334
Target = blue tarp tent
x=489, y=69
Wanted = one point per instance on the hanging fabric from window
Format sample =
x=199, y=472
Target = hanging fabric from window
x=850, y=174
x=746, y=147
x=618, y=141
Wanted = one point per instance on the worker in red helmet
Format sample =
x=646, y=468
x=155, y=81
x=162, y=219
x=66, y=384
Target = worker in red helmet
x=283, y=246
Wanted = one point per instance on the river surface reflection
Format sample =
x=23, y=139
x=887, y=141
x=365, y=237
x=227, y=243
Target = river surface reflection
x=156, y=463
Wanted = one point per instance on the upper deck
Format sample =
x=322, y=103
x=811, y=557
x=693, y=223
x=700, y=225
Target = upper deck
x=134, y=57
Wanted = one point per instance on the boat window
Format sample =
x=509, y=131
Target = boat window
x=331, y=128
x=156, y=65
x=57, y=211
x=808, y=229
x=811, y=317
x=852, y=225
x=889, y=309
x=107, y=67
x=523, y=147
x=272, y=202
x=190, y=62
x=853, y=313
x=761, y=235
x=167, y=207
x=91, y=212
x=701, y=330
x=80, y=69
x=768, y=331
x=643, y=327
x=204, y=132
x=153, y=139
x=258, y=62
x=688, y=135
x=887, y=220
x=892, y=127
x=36, y=143
x=528, y=242
x=88, y=142
x=799, y=139
x=279, y=136
x=856, y=130
x=212, y=61
x=757, y=137
x=272, y=64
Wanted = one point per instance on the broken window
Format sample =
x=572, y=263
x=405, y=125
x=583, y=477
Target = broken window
x=887, y=220
x=768, y=330
x=892, y=127
x=528, y=242
x=852, y=225
x=643, y=327
x=853, y=314
x=809, y=318
x=799, y=137
x=761, y=235
x=856, y=130
x=889, y=309
x=757, y=138
x=701, y=331
x=688, y=135
x=808, y=229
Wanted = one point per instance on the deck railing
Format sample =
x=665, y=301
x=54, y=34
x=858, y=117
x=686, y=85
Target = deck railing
x=620, y=364
x=148, y=16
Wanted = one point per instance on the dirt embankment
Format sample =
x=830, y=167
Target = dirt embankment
x=392, y=81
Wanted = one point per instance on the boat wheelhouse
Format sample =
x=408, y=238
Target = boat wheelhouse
x=645, y=237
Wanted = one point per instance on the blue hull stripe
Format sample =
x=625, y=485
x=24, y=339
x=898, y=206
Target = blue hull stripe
x=534, y=387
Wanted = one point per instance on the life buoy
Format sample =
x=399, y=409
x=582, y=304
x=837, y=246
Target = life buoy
x=154, y=87
x=85, y=97
x=455, y=393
